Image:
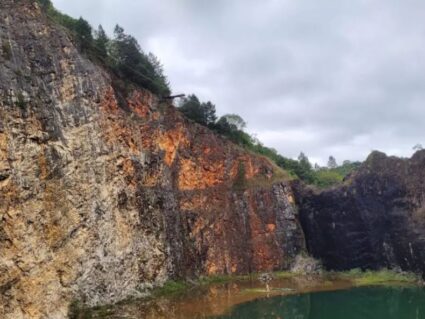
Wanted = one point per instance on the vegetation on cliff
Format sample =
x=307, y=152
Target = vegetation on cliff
x=232, y=126
x=123, y=56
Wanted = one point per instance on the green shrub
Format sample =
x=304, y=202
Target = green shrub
x=326, y=178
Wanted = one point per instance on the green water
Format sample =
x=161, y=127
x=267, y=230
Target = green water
x=356, y=303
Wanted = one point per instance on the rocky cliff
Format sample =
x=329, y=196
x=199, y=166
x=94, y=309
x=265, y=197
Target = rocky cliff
x=375, y=220
x=104, y=194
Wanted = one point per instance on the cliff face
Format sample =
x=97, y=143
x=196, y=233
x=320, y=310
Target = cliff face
x=103, y=195
x=375, y=220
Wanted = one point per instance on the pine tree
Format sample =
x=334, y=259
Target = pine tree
x=101, y=42
x=332, y=162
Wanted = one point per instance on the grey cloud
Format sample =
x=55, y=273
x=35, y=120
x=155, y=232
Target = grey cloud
x=326, y=77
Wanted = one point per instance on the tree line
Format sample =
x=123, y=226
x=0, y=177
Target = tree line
x=121, y=54
x=232, y=126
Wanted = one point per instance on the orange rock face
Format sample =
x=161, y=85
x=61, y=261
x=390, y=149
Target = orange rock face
x=105, y=194
x=222, y=228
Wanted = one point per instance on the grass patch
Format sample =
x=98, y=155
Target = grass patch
x=222, y=279
x=283, y=274
x=380, y=277
x=171, y=287
x=262, y=181
x=174, y=287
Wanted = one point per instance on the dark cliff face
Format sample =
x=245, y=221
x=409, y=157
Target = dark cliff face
x=376, y=219
x=104, y=195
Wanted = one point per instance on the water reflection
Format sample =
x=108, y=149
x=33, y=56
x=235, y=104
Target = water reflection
x=358, y=303
x=208, y=301
x=291, y=298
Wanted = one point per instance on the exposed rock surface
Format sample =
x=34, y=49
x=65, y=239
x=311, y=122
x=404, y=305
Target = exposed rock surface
x=375, y=220
x=104, y=195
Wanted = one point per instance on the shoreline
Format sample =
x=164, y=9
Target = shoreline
x=216, y=295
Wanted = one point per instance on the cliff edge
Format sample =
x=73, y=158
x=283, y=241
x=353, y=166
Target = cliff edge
x=105, y=194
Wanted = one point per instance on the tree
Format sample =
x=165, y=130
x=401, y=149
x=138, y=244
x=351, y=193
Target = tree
x=83, y=31
x=101, y=42
x=119, y=33
x=304, y=169
x=127, y=54
x=304, y=161
x=223, y=126
x=232, y=126
x=235, y=121
x=202, y=113
x=158, y=70
x=191, y=108
x=122, y=55
x=131, y=63
x=209, y=113
x=332, y=162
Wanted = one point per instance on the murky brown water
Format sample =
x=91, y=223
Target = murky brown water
x=216, y=299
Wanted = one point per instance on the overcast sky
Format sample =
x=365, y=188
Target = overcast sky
x=328, y=77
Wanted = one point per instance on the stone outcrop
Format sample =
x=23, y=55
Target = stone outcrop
x=376, y=219
x=104, y=194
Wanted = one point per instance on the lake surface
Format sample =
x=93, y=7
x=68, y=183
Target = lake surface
x=290, y=298
x=356, y=303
